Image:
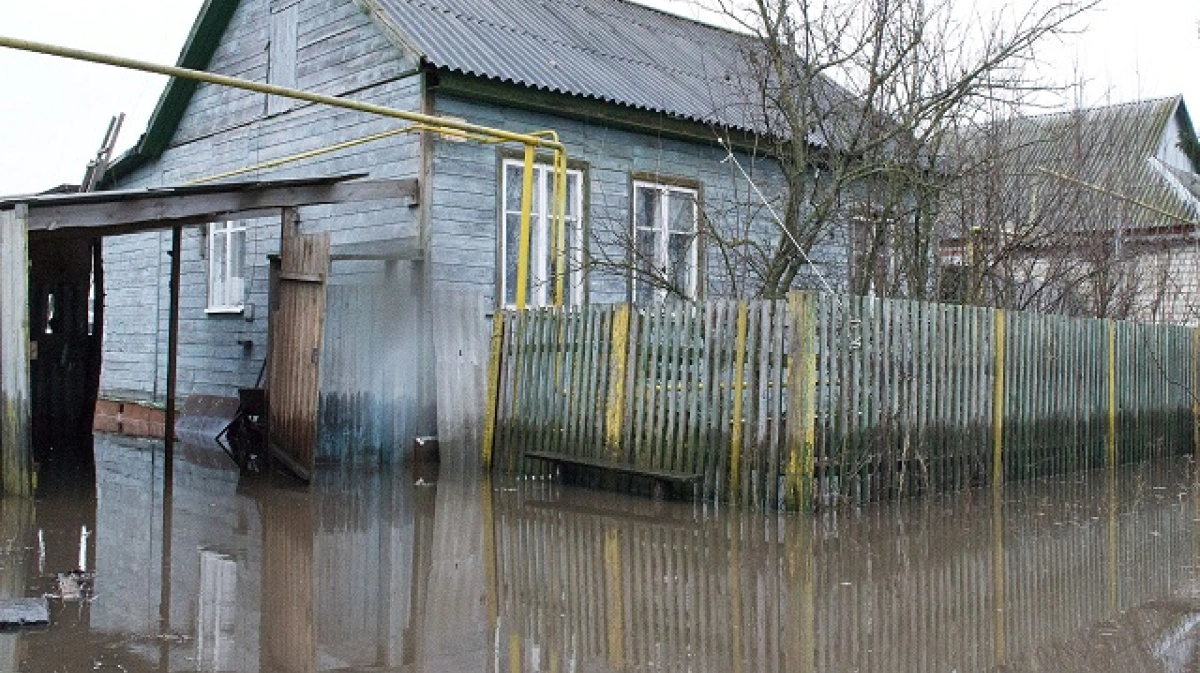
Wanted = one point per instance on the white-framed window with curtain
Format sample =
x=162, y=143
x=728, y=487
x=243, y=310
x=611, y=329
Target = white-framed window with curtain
x=226, y=267
x=666, y=246
x=540, y=286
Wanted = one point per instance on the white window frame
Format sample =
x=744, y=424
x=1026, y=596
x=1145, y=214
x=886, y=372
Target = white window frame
x=662, y=228
x=540, y=289
x=226, y=291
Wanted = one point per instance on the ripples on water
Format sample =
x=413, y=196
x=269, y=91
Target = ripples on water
x=415, y=571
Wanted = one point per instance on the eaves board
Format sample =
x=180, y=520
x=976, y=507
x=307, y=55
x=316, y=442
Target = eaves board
x=590, y=110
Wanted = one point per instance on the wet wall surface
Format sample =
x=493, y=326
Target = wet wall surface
x=421, y=571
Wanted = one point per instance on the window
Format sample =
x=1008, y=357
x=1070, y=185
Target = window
x=541, y=252
x=226, y=266
x=873, y=264
x=666, y=251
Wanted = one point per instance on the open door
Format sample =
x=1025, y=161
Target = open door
x=64, y=337
x=297, y=326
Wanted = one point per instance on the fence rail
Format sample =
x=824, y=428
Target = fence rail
x=821, y=400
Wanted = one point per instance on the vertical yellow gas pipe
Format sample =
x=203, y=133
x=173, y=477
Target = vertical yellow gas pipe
x=560, y=226
x=526, y=235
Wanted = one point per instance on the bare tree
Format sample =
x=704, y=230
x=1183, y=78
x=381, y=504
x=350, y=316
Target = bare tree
x=860, y=100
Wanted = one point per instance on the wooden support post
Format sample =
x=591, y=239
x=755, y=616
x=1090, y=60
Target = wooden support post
x=618, y=367
x=999, y=391
x=172, y=352
x=14, y=353
x=738, y=385
x=492, y=405
x=802, y=394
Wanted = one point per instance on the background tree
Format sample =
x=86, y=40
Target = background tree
x=860, y=100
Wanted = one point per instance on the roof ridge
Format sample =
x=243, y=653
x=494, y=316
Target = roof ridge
x=671, y=15
x=1143, y=102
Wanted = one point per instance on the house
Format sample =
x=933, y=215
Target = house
x=648, y=105
x=1088, y=212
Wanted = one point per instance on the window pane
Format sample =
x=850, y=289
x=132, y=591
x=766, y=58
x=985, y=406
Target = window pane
x=681, y=211
x=647, y=250
x=646, y=207
x=540, y=263
x=512, y=241
x=680, y=247
x=237, y=253
x=512, y=187
x=573, y=195
x=218, y=269
x=235, y=291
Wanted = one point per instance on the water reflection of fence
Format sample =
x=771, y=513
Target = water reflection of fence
x=590, y=589
x=824, y=399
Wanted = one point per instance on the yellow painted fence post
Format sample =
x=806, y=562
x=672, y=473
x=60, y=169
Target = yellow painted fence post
x=999, y=391
x=737, y=386
x=802, y=394
x=614, y=414
x=492, y=408
x=1195, y=392
x=1111, y=440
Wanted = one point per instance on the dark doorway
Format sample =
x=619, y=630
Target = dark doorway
x=65, y=336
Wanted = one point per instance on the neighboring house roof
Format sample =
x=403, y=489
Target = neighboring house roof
x=1112, y=157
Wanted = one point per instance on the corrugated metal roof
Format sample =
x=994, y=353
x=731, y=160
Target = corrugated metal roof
x=1099, y=158
x=610, y=50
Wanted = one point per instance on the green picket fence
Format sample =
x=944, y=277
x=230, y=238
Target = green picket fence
x=823, y=400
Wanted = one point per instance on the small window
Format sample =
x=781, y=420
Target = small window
x=541, y=250
x=666, y=254
x=226, y=267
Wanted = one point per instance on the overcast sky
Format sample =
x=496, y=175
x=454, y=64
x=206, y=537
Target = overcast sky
x=53, y=113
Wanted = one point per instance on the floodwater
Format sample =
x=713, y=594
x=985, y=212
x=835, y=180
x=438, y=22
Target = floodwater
x=416, y=571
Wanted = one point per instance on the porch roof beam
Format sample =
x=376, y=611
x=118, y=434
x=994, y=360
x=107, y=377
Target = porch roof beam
x=129, y=213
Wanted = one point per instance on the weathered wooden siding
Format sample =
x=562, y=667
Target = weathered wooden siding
x=463, y=246
x=15, y=397
x=339, y=52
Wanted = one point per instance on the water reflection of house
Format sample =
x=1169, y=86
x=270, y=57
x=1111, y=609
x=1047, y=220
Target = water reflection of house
x=259, y=578
x=380, y=574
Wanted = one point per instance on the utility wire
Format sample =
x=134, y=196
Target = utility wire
x=778, y=220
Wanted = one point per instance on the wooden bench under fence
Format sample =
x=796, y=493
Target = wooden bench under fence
x=664, y=480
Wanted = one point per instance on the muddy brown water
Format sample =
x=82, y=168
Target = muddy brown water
x=421, y=571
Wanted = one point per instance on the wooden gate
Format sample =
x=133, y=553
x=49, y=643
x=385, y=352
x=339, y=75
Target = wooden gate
x=297, y=323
